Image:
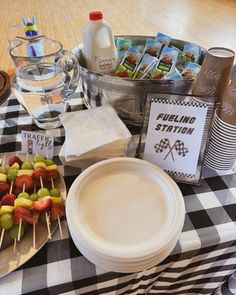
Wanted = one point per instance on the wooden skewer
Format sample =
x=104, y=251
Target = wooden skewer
x=59, y=225
x=58, y=217
x=3, y=160
x=41, y=181
x=11, y=187
x=2, y=235
x=14, y=246
x=19, y=230
x=20, y=223
x=34, y=235
x=48, y=225
x=52, y=183
x=46, y=214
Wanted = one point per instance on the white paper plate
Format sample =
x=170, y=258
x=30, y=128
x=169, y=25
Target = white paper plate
x=25, y=251
x=124, y=266
x=124, y=209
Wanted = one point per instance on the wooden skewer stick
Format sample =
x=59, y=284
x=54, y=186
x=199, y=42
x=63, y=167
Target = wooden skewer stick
x=58, y=217
x=46, y=214
x=20, y=223
x=2, y=235
x=11, y=187
x=34, y=227
x=48, y=225
x=41, y=181
x=52, y=183
x=34, y=235
x=59, y=225
x=19, y=230
x=14, y=246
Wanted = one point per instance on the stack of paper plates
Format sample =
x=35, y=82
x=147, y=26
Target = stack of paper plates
x=125, y=214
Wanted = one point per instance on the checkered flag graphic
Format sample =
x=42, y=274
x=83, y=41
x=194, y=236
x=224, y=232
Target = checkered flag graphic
x=164, y=144
x=180, y=148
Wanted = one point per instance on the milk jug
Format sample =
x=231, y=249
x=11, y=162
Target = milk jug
x=99, y=46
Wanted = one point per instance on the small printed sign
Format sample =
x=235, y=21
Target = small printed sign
x=174, y=135
x=37, y=143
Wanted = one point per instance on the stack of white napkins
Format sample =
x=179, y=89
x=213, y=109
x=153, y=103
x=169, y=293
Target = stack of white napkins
x=96, y=134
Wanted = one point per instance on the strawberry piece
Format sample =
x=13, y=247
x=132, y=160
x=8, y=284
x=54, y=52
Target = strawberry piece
x=42, y=205
x=40, y=172
x=22, y=213
x=53, y=174
x=4, y=188
x=56, y=210
x=8, y=199
x=24, y=179
x=35, y=216
x=14, y=159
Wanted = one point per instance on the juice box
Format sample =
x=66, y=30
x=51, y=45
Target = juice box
x=190, y=52
x=175, y=74
x=191, y=70
x=129, y=63
x=168, y=59
x=140, y=48
x=153, y=47
x=146, y=67
x=123, y=44
x=121, y=54
x=158, y=74
x=164, y=39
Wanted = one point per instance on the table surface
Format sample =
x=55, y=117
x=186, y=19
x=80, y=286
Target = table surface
x=206, y=23
x=203, y=259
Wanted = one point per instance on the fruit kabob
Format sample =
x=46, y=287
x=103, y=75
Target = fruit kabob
x=23, y=202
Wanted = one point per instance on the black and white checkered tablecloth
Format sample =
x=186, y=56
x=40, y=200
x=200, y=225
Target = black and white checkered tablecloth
x=203, y=261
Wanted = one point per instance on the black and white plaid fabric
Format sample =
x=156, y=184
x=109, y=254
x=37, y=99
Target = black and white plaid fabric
x=180, y=148
x=164, y=144
x=203, y=261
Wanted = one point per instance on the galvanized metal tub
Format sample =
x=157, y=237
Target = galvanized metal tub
x=127, y=96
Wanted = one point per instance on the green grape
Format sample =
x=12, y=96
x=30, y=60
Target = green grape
x=33, y=197
x=55, y=192
x=12, y=174
x=43, y=192
x=6, y=221
x=23, y=195
x=39, y=164
x=38, y=158
x=14, y=231
x=49, y=162
x=26, y=165
x=3, y=170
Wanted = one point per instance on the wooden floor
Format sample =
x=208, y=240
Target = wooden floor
x=205, y=22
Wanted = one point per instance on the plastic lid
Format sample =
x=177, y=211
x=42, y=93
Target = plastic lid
x=95, y=15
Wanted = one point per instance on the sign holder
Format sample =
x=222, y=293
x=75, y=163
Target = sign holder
x=174, y=133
